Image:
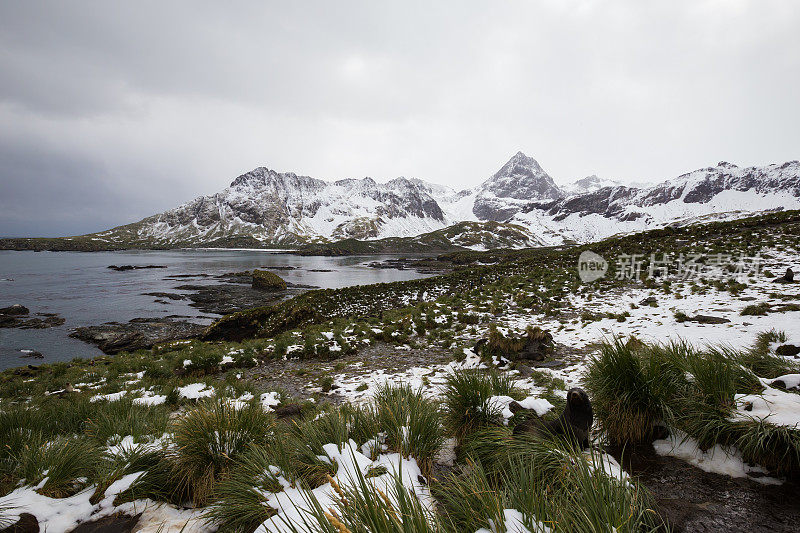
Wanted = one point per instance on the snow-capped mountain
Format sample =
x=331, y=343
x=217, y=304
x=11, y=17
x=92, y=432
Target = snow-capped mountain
x=286, y=208
x=722, y=192
x=272, y=207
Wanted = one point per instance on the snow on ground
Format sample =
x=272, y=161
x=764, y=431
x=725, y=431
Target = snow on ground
x=351, y=463
x=59, y=515
x=502, y=403
x=112, y=397
x=659, y=324
x=194, y=391
x=513, y=522
x=718, y=460
x=148, y=398
x=771, y=405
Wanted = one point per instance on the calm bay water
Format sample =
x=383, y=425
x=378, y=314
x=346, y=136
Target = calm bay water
x=81, y=288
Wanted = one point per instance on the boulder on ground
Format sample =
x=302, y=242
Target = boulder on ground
x=27, y=523
x=265, y=280
x=787, y=350
x=533, y=345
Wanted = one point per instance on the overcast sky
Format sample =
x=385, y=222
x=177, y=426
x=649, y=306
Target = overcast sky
x=112, y=111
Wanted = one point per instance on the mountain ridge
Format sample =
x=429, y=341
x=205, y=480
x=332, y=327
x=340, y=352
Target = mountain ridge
x=284, y=209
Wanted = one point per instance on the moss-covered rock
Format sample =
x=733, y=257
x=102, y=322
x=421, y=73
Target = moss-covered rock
x=268, y=281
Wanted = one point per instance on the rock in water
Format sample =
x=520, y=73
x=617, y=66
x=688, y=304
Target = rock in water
x=123, y=268
x=265, y=280
x=17, y=316
x=14, y=310
x=137, y=334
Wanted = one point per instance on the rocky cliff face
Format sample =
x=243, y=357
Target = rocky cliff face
x=283, y=208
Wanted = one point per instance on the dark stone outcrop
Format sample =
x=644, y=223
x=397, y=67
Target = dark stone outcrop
x=14, y=310
x=17, y=316
x=116, y=523
x=787, y=350
x=123, y=268
x=705, y=319
x=138, y=334
x=27, y=523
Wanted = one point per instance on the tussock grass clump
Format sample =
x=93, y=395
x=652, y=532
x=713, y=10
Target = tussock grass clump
x=206, y=442
x=635, y=387
x=123, y=417
x=297, y=451
x=240, y=503
x=759, y=309
x=501, y=345
x=760, y=359
x=209, y=438
x=465, y=400
x=363, y=507
x=468, y=500
x=412, y=423
x=60, y=467
x=549, y=481
x=631, y=386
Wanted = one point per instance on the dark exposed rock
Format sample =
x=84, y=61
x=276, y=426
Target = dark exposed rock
x=123, y=268
x=650, y=300
x=16, y=316
x=137, y=334
x=288, y=411
x=31, y=354
x=14, y=310
x=116, y=523
x=168, y=295
x=788, y=350
x=707, y=319
x=226, y=298
x=27, y=523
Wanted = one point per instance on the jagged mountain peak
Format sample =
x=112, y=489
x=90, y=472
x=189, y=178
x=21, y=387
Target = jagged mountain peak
x=522, y=178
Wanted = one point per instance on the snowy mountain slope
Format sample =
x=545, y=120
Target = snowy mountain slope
x=588, y=184
x=267, y=208
x=284, y=207
x=722, y=192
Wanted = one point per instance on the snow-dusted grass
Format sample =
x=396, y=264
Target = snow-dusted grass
x=260, y=474
x=712, y=395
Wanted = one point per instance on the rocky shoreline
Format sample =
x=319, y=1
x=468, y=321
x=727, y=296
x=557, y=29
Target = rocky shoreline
x=18, y=316
x=216, y=295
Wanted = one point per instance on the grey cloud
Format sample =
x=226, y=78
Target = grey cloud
x=141, y=106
